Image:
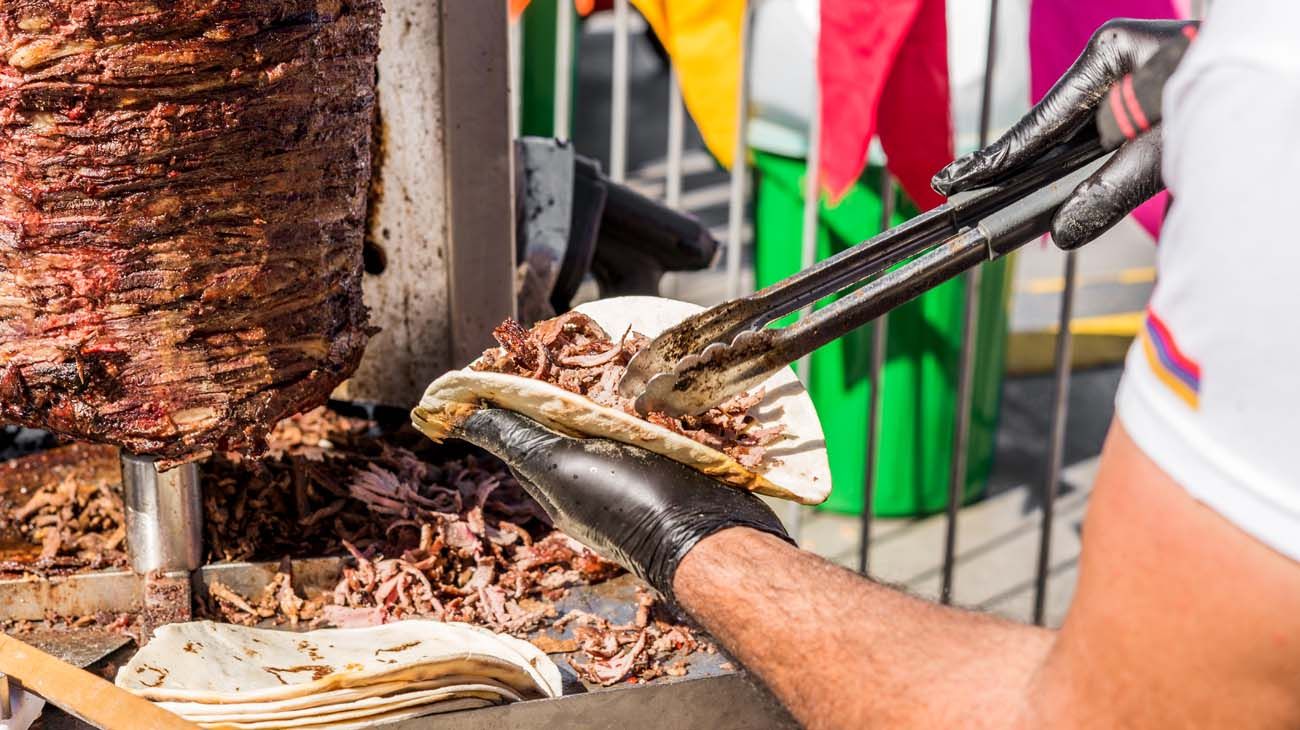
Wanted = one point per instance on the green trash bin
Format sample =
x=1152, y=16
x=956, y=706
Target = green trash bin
x=923, y=353
x=537, y=72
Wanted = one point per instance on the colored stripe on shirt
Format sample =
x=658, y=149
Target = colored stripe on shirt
x=1174, y=368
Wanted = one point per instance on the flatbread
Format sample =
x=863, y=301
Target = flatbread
x=800, y=472
x=466, y=703
x=393, y=695
x=352, y=711
x=331, y=697
x=437, y=708
x=208, y=662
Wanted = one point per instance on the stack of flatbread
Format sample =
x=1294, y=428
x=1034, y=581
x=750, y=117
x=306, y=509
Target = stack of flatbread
x=241, y=678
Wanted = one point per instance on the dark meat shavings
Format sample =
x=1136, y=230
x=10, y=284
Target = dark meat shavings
x=456, y=539
x=652, y=645
x=62, y=512
x=574, y=353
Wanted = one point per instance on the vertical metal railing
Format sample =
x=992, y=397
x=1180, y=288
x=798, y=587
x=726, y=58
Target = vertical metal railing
x=808, y=255
x=969, y=337
x=740, y=163
x=618, y=93
x=879, y=345
x=669, y=285
x=1056, y=443
x=561, y=125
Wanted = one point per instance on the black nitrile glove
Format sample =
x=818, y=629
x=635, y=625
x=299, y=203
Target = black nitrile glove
x=635, y=507
x=1129, y=179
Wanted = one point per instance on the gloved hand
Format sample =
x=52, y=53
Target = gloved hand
x=635, y=507
x=1129, y=179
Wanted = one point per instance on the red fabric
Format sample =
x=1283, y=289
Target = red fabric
x=883, y=69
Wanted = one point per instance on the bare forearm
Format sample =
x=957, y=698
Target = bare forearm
x=841, y=651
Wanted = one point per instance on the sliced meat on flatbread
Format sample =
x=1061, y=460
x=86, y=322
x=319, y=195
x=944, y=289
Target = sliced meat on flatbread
x=796, y=467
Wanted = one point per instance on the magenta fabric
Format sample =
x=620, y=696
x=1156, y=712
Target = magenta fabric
x=883, y=69
x=1058, y=32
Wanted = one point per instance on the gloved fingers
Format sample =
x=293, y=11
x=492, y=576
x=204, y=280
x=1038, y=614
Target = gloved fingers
x=539, y=495
x=1128, y=179
x=511, y=436
x=1117, y=48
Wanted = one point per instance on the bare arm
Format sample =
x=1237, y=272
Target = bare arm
x=1180, y=620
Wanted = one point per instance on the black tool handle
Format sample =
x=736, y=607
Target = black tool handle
x=1014, y=225
x=1135, y=104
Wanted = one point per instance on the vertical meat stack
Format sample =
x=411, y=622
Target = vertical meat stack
x=182, y=208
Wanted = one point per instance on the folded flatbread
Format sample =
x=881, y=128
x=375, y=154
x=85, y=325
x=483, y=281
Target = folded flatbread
x=795, y=468
x=300, y=706
x=216, y=663
x=398, y=695
x=433, y=700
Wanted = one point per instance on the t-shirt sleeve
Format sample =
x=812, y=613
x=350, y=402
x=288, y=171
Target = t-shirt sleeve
x=1211, y=390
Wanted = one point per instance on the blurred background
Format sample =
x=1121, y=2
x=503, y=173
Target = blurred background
x=991, y=395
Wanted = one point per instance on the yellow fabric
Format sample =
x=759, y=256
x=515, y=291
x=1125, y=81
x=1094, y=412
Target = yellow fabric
x=703, y=38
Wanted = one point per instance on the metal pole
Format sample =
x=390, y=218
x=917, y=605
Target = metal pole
x=676, y=142
x=164, y=515
x=1056, y=452
x=515, y=39
x=673, y=165
x=966, y=367
x=808, y=257
x=879, y=343
x=561, y=126
x=739, y=164
x=618, y=95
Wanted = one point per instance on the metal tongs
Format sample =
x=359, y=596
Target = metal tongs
x=726, y=350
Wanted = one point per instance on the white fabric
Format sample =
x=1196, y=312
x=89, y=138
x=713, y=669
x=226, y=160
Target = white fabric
x=1228, y=264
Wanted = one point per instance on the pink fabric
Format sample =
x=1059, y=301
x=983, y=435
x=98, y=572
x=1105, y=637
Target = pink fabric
x=883, y=68
x=1058, y=32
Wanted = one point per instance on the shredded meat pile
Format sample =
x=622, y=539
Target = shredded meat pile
x=651, y=646
x=432, y=534
x=71, y=520
x=574, y=353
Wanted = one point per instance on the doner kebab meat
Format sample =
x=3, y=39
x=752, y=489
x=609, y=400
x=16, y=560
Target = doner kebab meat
x=182, y=206
x=573, y=352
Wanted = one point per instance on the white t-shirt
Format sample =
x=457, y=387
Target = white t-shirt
x=1211, y=389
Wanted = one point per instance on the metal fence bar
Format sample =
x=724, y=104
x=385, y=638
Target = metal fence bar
x=879, y=342
x=676, y=142
x=966, y=367
x=1056, y=446
x=739, y=163
x=669, y=284
x=808, y=256
x=618, y=96
x=561, y=125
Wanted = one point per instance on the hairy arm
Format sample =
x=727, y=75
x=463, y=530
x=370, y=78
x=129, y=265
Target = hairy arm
x=1179, y=620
